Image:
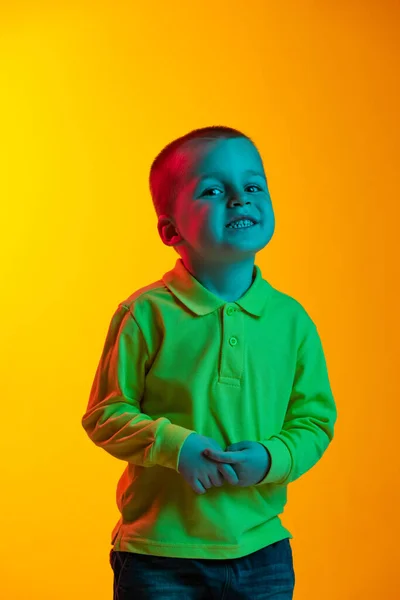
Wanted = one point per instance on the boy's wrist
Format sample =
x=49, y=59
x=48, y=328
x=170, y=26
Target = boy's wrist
x=269, y=461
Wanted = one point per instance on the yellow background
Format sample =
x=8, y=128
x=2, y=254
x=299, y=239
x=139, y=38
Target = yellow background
x=90, y=92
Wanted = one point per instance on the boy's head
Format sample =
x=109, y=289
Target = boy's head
x=203, y=180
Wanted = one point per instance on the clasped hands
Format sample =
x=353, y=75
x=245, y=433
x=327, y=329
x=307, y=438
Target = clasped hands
x=204, y=464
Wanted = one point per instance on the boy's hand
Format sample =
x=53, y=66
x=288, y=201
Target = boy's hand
x=250, y=460
x=199, y=472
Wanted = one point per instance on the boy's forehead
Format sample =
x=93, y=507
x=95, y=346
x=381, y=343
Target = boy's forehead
x=223, y=156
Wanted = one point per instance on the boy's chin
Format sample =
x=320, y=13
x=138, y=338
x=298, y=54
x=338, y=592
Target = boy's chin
x=243, y=248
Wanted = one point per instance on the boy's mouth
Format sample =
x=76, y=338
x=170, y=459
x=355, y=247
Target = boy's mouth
x=241, y=224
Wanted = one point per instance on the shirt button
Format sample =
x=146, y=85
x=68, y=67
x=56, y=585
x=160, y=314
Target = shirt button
x=230, y=311
x=233, y=341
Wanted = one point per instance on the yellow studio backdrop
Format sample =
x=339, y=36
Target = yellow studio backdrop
x=90, y=93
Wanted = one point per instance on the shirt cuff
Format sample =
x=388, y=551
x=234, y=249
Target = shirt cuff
x=168, y=445
x=281, y=461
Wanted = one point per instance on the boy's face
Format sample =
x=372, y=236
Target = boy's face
x=218, y=185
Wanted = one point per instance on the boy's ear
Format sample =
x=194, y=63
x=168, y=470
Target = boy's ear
x=167, y=231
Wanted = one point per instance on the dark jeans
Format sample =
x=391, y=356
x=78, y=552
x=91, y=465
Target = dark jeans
x=262, y=575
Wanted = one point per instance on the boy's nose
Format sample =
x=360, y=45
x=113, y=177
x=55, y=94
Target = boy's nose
x=238, y=200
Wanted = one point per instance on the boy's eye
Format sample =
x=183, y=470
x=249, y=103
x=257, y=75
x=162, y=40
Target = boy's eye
x=215, y=188
x=207, y=192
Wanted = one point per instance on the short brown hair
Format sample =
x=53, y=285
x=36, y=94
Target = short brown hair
x=167, y=168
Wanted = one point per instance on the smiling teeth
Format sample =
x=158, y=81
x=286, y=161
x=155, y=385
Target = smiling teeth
x=240, y=224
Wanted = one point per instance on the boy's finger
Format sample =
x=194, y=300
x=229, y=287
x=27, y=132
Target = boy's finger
x=228, y=474
x=224, y=457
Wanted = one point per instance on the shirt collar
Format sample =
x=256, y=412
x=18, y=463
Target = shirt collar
x=202, y=302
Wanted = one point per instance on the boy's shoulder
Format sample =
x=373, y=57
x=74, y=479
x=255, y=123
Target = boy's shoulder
x=144, y=295
x=289, y=305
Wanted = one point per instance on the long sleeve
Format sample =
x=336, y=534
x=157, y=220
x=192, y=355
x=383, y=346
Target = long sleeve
x=310, y=418
x=113, y=419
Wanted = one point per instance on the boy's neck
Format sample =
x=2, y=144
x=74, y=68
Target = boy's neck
x=227, y=281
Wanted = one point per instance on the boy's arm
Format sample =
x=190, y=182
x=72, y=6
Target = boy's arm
x=113, y=419
x=311, y=415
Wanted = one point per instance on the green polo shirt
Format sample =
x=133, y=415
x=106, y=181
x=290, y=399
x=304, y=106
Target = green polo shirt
x=177, y=359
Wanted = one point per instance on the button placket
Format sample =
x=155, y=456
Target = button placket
x=232, y=352
x=232, y=339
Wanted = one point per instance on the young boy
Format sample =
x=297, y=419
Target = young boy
x=212, y=387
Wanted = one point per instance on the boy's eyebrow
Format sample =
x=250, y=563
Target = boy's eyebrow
x=218, y=174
